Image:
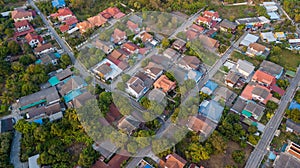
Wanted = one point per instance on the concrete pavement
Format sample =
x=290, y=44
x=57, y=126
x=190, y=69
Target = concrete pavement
x=15, y=151
x=261, y=148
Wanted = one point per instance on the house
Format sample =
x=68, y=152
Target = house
x=193, y=75
x=43, y=49
x=294, y=44
x=197, y=28
x=228, y=26
x=64, y=28
x=171, y=54
x=43, y=111
x=271, y=69
x=136, y=87
x=71, y=22
x=107, y=70
x=255, y=49
x=267, y=37
x=97, y=20
x=249, y=39
x=32, y=161
x=33, y=39
x=58, y=3
x=145, y=36
x=204, y=21
x=286, y=160
x=21, y=14
x=174, y=161
x=106, y=47
x=212, y=110
x=116, y=160
x=263, y=78
x=133, y=27
x=128, y=124
x=201, y=125
x=6, y=125
x=74, y=83
x=84, y=26
x=256, y=92
x=189, y=63
x=239, y=105
x=47, y=96
x=274, y=15
x=209, y=87
x=179, y=45
x=23, y=25
x=208, y=42
x=156, y=95
x=47, y=59
x=64, y=74
x=291, y=126
x=130, y=47
x=119, y=37
x=254, y=22
x=153, y=70
x=191, y=34
x=293, y=149
x=63, y=14
x=164, y=83
x=254, y=110
x=225, y=96
x=111, y=12
x=80, y=100
x=280, y=36
x=233, y=79
x=245, y=68
x=106, y=148
x=211, y=14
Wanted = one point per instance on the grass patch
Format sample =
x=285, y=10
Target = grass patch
x=235, y=12
x=235, y=56
x=219, y=77
x=286, y=58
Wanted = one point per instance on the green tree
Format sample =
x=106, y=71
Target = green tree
x=238, y=156
x=165, y=42
x=13, y=47
x=65, y=61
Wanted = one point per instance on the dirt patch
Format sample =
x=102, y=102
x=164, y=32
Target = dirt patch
x=224, y=159
x=75, y=149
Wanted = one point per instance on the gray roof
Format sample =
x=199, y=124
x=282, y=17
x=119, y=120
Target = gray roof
x=74, y=83
x=232, y=76
x=50, y=94
x=106, y=148
x=227, y=24
x=6, y=125
x=254, y=108
x=245, y=66
x=212, y=110
x=171, y=53
x=259, y=91
x=128, y=124
x=292, y=125
x=271, y=68
x=248, y=39
x=82, y=99
x=239, y=105
x=156, y=95
x=48, y=110
x=64, y=74
x=225, y=93
x=286, y=160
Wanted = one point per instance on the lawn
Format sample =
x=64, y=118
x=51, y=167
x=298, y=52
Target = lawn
x=286, y=58
x=235, y=56
x=235, y=12
x=224, y=159
x=219, y=77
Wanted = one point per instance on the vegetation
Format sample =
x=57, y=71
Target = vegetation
x=5, y=139
x=294, y=115
x=60, y=144
x=238, y=156
x=292, y=8
x=286, y=58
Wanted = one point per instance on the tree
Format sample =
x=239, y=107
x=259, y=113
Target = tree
x=65, y=61
x=197, y=153
x=87, y=157
x=165, y=42
x=125, y=77
x=145, y=102
x=252, y=129
x=294, y=115
x=26, y=59
x=13, y=47
x=238, y=156
x=132, y=147
x=218, y=142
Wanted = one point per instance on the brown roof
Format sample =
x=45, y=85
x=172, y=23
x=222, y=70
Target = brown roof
x=104, y=46
x=233, y=77
x=175, y=161
x=136, y=84
x=208, y=42
x=200, y=124
x=21, y=23
x=191, y=61
x=43, y=47
x=164, y=83
x=97, y=20
x=19, y=13
x=115, y=162
x=48, y=110
x=257, y=47
x=146, y=36
x=131, y=25
x=116, y=54
x=123, y=65
x=64, y=74
x=113, y=114
x=153, y=68
x=130, y=46
x=82, y=99
x=227, y=24
x=104, y=69
x=191, y=34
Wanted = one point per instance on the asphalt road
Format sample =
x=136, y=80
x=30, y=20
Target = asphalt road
x=260, y=150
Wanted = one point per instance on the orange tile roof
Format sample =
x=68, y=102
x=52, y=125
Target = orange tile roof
x=175, y=161
x=64, y=12
x=251, y=88
x=19, y=13
x=247, y=92
x=131, y=25
x=210, y=14
x=263, y=77
x=130, y=46
x=64, y=28
x=204, y=19
x=98, y=20
x=208, y=42
x=84, y=26
x=164, y=83
x=33, y=36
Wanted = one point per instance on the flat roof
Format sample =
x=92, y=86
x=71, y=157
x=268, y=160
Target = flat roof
x=248, y=39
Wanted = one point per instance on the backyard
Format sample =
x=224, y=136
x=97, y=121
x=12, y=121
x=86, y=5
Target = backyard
x=235, y=56
x=286, y=58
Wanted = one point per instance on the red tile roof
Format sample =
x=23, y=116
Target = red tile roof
x=131, y=25
x=71, y=21
x=64, y=12
x=129, y=46
x=84, y=26
x=21, y=23
x=98, y=20
x=110, y=12
x=210, y=14
x=119, y=15
x=197, y=28
x=20, y=13
x=204, y=19
x=263, y=77
x=64, y=28
x=33, y=36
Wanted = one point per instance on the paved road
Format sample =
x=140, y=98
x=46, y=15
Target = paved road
x=260, y=150
x=15, y=151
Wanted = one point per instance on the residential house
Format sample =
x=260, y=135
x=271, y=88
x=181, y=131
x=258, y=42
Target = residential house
x=209, y=87
x=228, y=26
x=116, y=160
x=111, y=12
x=254, y=110
x=128, y=124
x=130, y=47
x=145, y=36
x=280, y=36
x=44, y=111
x=119, y=37
x=193, y=75
x=191, y=34
x=267, y=37
x=107, y=70
x=171, y=54
x=47, y=59
x=22, y=26
x=293, y=149
x=74, y=83
x=254, y=22
x=84, y=26
x=212, y=110
x=291, y=126
x=153, y=70
x=189, y=63
x=294, y=44
x=211, y=14
x=64, y=74
x=245, y=68
x=197, y=28
x=47, y=96
x=97, y=20
x=80, y=100
x=249, y=39
x=256, y=49
x=271, y=69
x=63, y=14
x=138, y=85
x=174, y=161
x=201, y=125
x=179, y=45
x=285, y=159
x=106, y=148
x=234, y=79
x=204, y=21
x=156, y=95
x=239, y=105
x=64, y=28
x=43, y=49
x=33, y=39
x=106, y=47
x=208, y=42
x=225, y=96
x=21, y=14
x=133, y=27
x=263, y=78
x=164, y=83
x=58, y=3
x=6, y=125
x=256, y=92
